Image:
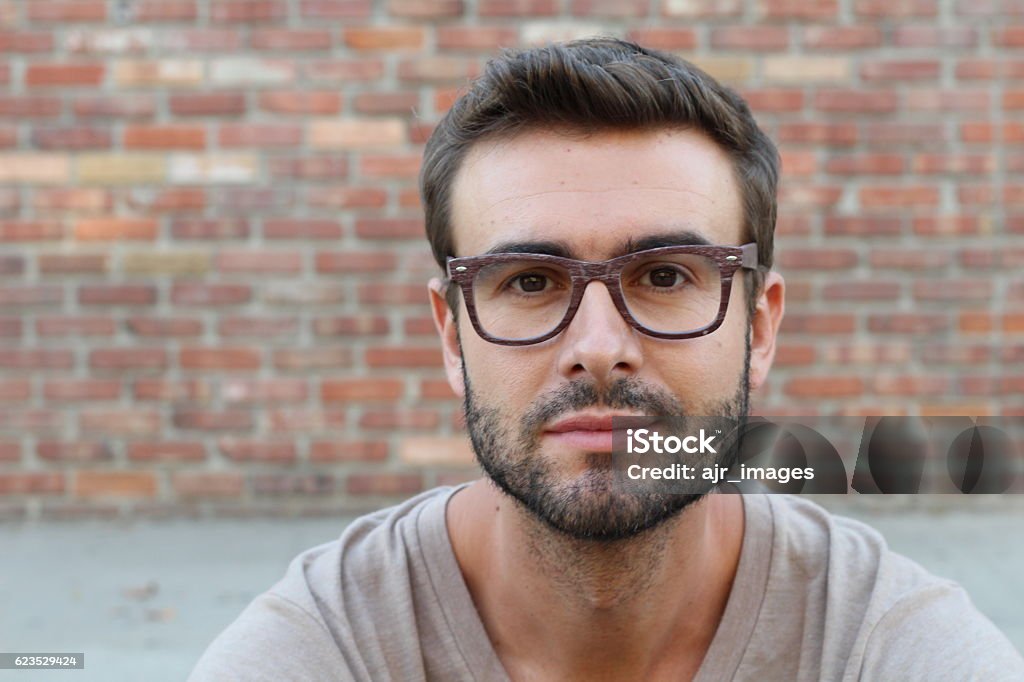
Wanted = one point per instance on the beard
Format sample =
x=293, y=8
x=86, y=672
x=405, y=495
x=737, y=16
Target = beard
x=589, y=506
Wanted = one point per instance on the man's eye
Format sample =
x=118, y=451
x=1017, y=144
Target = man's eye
x=664, y=277
x=532, y=283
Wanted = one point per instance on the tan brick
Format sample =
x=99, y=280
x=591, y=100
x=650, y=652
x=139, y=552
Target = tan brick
x=207, y=484
x=385, y=38
x=35, y=168
x=806, y=69
x=212, y=168
x=436, y=450
x=252, y=71
x=119, y=169
x=105, y=229
x=163, y=262
x=356, y=133
x=164, y=137
x=729, y=69
x=115, y=484
x=163, y=73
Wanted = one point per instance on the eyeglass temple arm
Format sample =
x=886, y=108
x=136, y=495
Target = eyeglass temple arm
x=749, y=258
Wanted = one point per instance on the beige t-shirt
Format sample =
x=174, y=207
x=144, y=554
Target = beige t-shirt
x=816, y=597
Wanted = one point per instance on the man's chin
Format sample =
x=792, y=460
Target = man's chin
x=589, y=507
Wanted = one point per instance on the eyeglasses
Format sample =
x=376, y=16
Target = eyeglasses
x=671, y=292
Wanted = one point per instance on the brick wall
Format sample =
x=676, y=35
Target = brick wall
x=201, y=201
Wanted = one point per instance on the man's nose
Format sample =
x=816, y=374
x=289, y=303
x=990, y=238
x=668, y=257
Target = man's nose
x=599, y=342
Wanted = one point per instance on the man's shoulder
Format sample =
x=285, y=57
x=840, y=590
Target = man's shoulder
x=320, y=619
x=879, y=612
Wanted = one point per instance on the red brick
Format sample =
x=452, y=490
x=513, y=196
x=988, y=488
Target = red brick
x=403, y=356
x=914, y=195
x=759, y=38
x=299, y=102
x=346, y=196
x=391, y=38
x=259, y=135
x=31, y=483
x=1009, y=36
x=390, y=165
x=344, y=70
x=81, y=389
x=427, y=9
x=348, y=451
x=866, y=164
x=947, y=100
x=841, y=37
x=899, y=70
x=263, y=327
x=952, y=290
x=908, y=323
x=351, y=325
x=77, y=451
x=808, y=10
x=359, y=390
x=166, y=390
x=818, y=259
x=75, y=326
x=115, y=106
x=23, y=106
x=774, y=99
x=212, y=420
x=355, y=261
x=386, y=102
x=120, y=421
x=335, y=9
x=26, y=41
x=313, y=167
x=219, y=358
x=824, y=387
x=835, y=134
x=127, y=358
x=616, y=9
x=910, y=259
x=399, y=419
x=166, y=451
x=207, y=104
x=115, y=484
x=63, y=75
x=910, y=385
x=292, y=484
x=209, y=228
x=946, y=225
x=895, y=8
x=207, y=484
x=164, y=327
x=241, y=450
x=164, y=10
x=36, y=359
x=116, y=229
x=71, y=137
x=164, y=137
x=174, y=199
x=276, y=261
x=306, y=421
x=491, y=38
x=390, y=228
x=290, y=39
x=312, y=358
x=310, y=228
x=30, y=231
x=210, y=294
x=116, y=294
x=15, y=389
x=248, y=11
x=935, y=37
x=66, y=10
x=856, y=101
x=835, y=323
x=31, y=295
x=794, y=355
x=920, y=133
x=862, y=291
x=393, y=294
x=384, y=483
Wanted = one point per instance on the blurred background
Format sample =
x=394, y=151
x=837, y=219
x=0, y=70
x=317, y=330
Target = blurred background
x=213, y=310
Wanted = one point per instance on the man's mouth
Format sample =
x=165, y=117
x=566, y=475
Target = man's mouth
x=591, y=432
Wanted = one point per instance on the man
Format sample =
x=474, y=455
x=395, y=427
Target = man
x=590, y=203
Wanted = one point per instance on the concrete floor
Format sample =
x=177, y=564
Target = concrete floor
x=142, y=600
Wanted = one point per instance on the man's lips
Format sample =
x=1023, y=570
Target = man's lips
x=590, y=432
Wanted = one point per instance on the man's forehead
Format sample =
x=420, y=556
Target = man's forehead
x=602, y=194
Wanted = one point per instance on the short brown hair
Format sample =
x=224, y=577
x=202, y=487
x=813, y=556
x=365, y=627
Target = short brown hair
x=595, y=85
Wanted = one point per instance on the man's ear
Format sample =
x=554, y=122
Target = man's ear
x=764, y=327
x=446, y=329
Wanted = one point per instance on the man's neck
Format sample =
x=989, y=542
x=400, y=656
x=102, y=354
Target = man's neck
x=558, y=608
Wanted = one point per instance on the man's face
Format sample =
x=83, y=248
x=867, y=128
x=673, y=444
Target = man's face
x=592, y=198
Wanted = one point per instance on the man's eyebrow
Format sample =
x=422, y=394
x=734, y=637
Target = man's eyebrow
x=550, y=248
x=654, y=241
